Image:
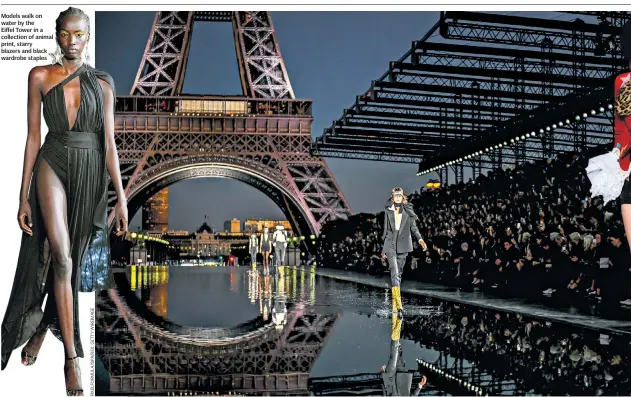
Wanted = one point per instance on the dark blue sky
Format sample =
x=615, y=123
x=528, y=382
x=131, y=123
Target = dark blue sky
x=330, y=56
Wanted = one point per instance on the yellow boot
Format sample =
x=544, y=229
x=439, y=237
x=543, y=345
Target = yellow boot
x=396, y=295
x=396, y=328
x=394, y=302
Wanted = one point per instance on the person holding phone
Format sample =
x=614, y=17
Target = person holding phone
x=399, y=226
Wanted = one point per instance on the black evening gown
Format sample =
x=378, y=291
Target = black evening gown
x=77, y=156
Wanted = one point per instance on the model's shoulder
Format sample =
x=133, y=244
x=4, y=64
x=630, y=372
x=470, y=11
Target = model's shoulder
x=39, y=73
x=105, y=77
x=625, y=75
x=102, y=74
x=622, y=79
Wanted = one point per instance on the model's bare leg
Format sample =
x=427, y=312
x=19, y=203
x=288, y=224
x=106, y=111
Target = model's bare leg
x=266, y=264
x=53, y=202
x=31, y=349
x=626, y=219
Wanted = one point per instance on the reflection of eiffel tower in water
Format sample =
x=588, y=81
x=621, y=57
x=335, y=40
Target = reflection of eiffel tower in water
x=144, y=354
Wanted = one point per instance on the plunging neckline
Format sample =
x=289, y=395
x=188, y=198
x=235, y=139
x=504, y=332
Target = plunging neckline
x=61, y=85
x=66, y=106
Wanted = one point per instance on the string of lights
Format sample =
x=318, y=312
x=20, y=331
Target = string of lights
x=444, y=374
x=145, y=237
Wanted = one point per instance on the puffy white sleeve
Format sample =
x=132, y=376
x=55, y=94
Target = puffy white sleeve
x=605, y=175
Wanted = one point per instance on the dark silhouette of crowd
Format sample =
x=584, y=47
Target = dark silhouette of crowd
x=531, y=232
x=539, y=357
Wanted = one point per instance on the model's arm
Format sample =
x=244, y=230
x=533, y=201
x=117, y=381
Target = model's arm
x=385, y=227
x=111, y=159
x=414, y=229
x=33, y=141
x=419, y=386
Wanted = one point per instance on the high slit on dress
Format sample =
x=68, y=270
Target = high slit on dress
x=77, y=156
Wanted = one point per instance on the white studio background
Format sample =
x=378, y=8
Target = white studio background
x=46, y=376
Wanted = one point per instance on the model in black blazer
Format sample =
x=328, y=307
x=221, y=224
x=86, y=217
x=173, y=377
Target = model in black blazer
x=397, y=244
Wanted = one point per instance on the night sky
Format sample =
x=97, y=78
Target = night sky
x=330, y=56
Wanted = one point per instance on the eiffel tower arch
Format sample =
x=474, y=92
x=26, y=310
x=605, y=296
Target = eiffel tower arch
x=261, y=138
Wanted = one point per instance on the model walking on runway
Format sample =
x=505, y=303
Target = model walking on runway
x=622, y=126
x=63, y=199
x=399, y=226
x=622, y=142
x=265, y=247
x=279, y=241
x=254, y=248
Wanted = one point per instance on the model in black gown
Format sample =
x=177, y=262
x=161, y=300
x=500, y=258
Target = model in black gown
x=73, y=162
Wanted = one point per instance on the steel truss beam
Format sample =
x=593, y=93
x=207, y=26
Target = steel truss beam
x=214, y=16
x=523, y=31
x=403, y=127
x=440, y=100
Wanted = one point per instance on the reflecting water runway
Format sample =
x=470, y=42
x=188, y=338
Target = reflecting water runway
x=233, y=330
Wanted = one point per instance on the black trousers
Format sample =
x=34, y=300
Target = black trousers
x=396, y=261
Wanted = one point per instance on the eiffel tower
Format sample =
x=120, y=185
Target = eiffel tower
x=261, y=138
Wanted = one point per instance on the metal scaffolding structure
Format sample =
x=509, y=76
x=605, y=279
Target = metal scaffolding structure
x=483, y=90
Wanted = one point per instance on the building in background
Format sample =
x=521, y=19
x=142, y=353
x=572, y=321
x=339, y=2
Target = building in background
x=257, y=225
x=155, y=213
x=204, y=242
x=232, y=226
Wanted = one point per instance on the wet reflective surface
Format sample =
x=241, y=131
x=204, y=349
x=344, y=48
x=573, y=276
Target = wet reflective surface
x=235, y=330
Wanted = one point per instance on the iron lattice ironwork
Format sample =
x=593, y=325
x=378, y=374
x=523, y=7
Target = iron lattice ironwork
x=142, y=357
x=477, y=79
x=262, y=138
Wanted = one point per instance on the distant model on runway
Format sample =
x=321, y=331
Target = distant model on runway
x=399, y=226
x=254, y=247
x=279, y=240
x=265, y=247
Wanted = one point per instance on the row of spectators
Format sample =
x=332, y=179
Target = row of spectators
x=529, y=356
x=524, y=232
